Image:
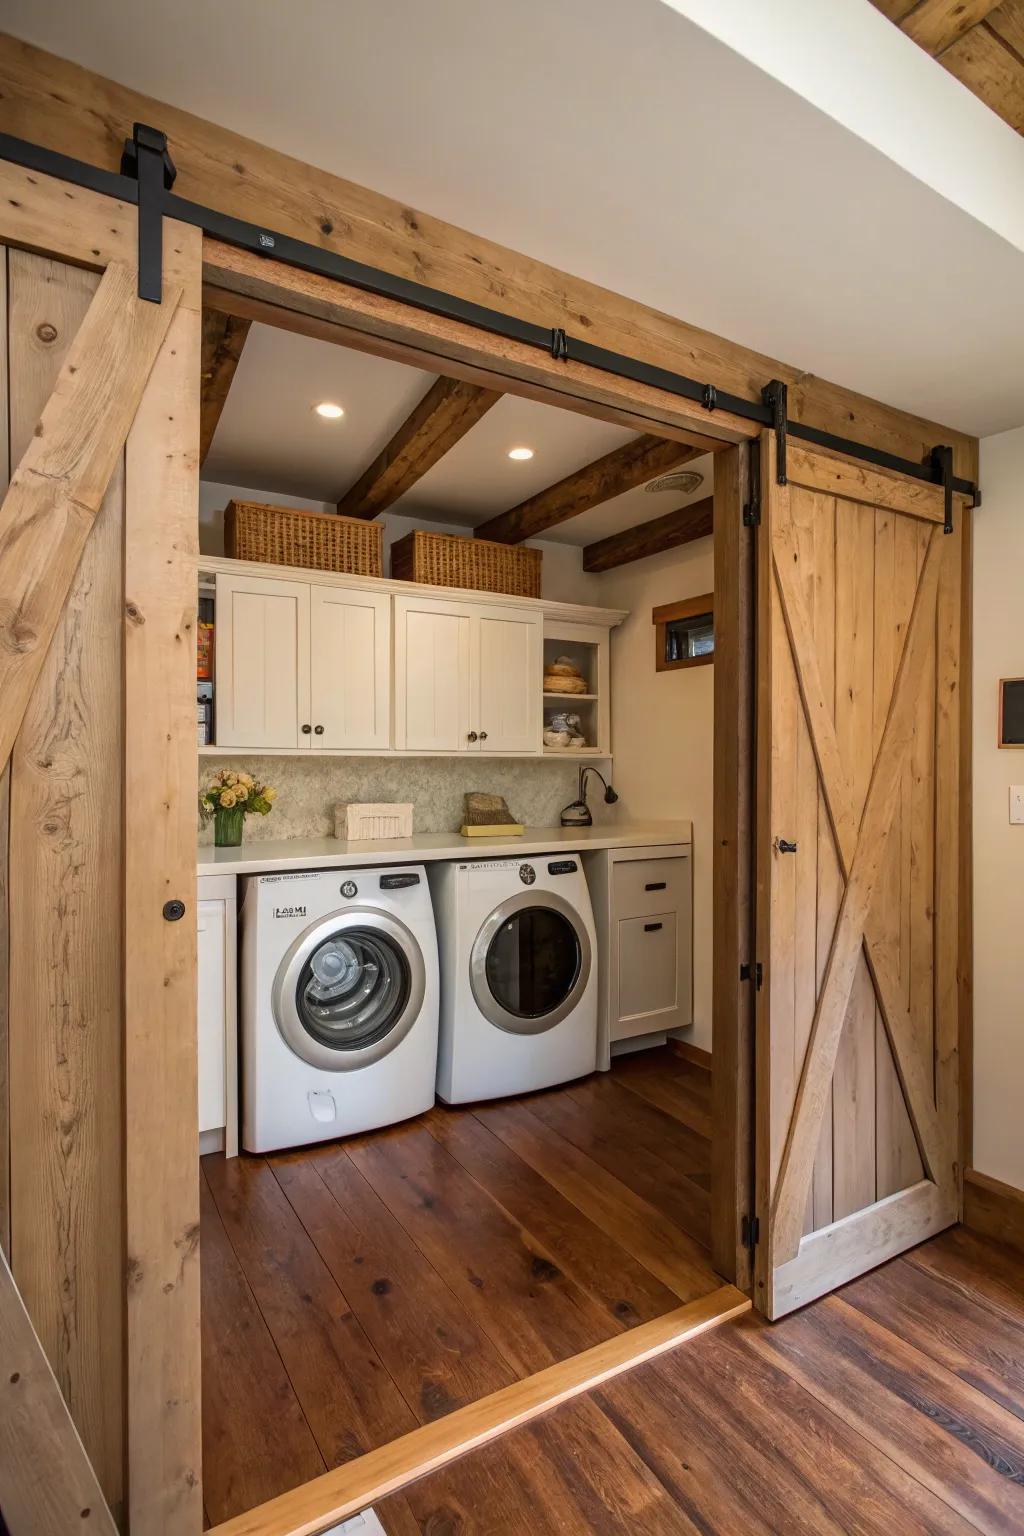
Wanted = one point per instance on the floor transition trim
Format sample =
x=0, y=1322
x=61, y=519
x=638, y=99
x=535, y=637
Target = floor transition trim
x=313, y=1508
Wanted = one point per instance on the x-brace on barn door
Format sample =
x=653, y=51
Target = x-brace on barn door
x=858, y=746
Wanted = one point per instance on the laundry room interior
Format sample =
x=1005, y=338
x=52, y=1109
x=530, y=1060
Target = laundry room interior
x=456, y=770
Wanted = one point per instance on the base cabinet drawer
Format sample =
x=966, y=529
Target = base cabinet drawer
x=641, y=887
x=653, y=969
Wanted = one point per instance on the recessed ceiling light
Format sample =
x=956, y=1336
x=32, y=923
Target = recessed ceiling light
x=520, y=453
x=329, y=411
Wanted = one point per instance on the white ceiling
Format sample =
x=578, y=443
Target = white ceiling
x=270, y=438
x=615, y=140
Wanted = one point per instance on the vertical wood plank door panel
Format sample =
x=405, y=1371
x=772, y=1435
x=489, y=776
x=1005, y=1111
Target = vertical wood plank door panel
x=857, y=762
x=66, y=942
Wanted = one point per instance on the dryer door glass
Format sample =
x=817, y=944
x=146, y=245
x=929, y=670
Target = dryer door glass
x=533, y=962
x=353, y=989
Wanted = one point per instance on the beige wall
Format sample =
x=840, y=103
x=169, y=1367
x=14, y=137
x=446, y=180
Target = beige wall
x=662, y=730
x=998, y=847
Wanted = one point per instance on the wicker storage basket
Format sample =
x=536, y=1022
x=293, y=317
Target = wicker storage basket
x=448, y=560
x=319, y=541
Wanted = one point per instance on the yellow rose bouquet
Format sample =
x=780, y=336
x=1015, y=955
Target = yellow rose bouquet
x=228, y=799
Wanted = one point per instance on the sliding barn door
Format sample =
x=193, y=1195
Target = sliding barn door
x=858, y=743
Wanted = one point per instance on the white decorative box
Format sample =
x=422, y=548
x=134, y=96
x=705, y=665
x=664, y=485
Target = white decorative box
x=363, y=823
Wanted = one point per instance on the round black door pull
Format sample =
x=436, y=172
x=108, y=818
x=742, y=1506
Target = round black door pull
x=784, y=847
x=318, y=729
x=471, y=736
x=173, y=910
x=306, y=730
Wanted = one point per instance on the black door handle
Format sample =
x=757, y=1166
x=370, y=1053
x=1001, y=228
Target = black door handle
x=652, y=927
x=784, y=847
x=655, y=885
x=318, y=729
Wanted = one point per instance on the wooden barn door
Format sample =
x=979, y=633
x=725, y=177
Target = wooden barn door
x=857, y=816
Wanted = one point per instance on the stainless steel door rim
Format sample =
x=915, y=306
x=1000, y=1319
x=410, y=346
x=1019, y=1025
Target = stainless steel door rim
x=488, y=1004
x=284, y=993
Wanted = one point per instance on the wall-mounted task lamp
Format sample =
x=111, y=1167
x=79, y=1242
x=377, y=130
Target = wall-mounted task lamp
x=578, y=813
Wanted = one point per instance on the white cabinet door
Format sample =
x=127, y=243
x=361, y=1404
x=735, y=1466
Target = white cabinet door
x=509, y=680
x=217, y=1014
x=350, y=663
x=262, y=662
x=433, y=642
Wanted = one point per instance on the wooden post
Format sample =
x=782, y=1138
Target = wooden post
x=160, y=781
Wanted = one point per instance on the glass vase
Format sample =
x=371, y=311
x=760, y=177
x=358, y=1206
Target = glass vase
x=227, y=826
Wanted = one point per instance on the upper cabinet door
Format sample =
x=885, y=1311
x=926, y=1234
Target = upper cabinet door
x=510, y=678
x=433, y=675
x=262, y=662
x=350, y=665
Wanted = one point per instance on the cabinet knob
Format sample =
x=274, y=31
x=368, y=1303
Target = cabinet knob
x=784, y=846
x=306, y=730
x=319, y=730
x=483, y=735
x=472, y=736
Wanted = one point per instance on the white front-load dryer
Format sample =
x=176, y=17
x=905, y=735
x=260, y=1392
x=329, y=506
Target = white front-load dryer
x=339, y=1003
x=518, y=975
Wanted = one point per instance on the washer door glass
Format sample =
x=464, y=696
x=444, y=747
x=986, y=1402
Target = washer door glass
x=353, y=989
x=533, y=962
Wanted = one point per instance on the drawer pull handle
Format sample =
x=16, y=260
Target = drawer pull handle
x=652, y=927
x=655, y=885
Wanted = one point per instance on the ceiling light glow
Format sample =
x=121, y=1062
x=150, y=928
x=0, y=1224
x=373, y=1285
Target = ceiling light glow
x=329, y=411
x=520, y=453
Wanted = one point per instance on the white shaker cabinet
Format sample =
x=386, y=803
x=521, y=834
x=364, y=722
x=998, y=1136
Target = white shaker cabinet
x=643, y=912
x=301, y=665
x=467, y=677
x=262, y=662
x=217, y=1013
x=509, y=712
x=350, y=644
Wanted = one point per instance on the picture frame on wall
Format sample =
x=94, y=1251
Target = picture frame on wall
x=1011, y=712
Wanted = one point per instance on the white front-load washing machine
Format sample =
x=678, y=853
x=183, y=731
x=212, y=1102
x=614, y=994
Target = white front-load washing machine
x=518, y=975
x=339, y=1003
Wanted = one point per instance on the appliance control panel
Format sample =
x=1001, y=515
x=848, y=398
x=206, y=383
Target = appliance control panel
x=563, y=867
x=398, y=882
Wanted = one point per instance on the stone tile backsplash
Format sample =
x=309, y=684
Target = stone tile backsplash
x=308, y=790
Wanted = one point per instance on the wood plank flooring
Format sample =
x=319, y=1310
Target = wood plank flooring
x=355, y=1290
x=895, y=1406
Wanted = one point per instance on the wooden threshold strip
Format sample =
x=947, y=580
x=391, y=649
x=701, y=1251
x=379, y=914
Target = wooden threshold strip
x=316, y=1506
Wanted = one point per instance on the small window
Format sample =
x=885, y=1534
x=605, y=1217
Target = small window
x=684, y=633
x=1011, y=712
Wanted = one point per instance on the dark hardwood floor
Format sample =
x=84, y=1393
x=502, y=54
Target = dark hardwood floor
x=894, y=1408
x=355, y=1290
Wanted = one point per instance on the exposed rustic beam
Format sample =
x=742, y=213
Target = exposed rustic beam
x=683, y=525
x=936, y=24
x=444, y=415
x=621, y=470
x=223, y=340
x=56, y=491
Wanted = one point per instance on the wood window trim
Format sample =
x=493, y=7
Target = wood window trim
x=670, y=613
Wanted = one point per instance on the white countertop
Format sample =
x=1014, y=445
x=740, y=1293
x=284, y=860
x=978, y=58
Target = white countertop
x=334, y=853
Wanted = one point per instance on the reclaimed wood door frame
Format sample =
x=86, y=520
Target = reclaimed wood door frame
x=858, y=731
x=124, y=405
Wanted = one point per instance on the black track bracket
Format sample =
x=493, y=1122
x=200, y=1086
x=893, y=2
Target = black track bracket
x=776, y=397
x=146, y=158
x=941, y=459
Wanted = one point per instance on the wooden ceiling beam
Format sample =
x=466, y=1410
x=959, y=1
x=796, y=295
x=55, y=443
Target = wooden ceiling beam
x=223, y=339
x=682, y=526
x=444, y=416
x=623, y=469
x=936, y=24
